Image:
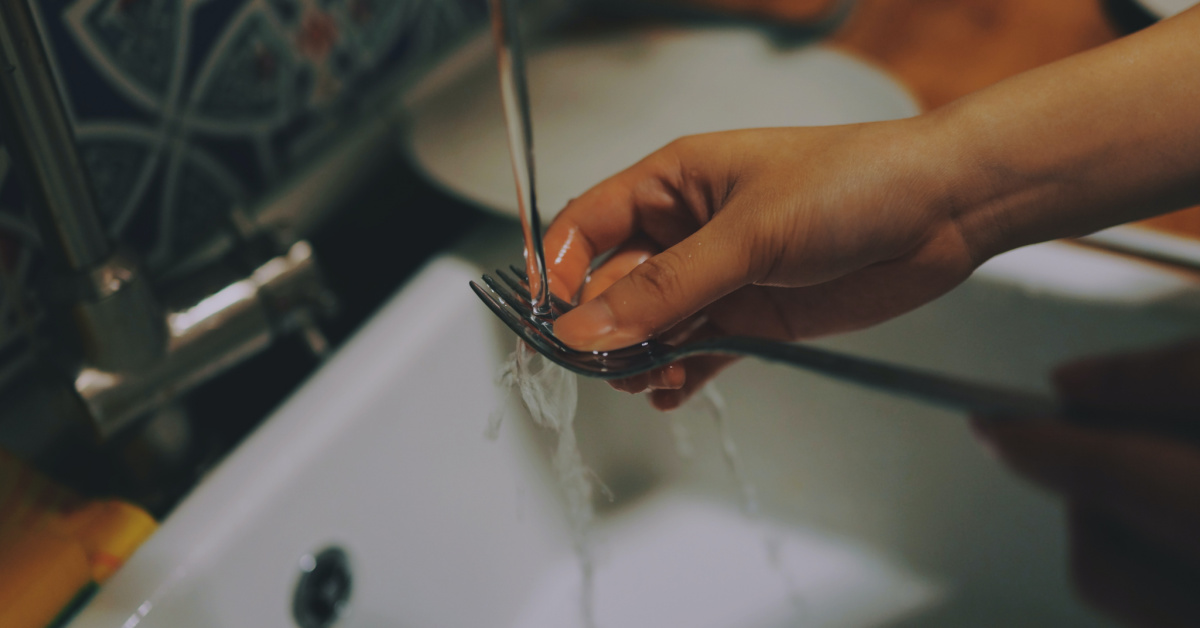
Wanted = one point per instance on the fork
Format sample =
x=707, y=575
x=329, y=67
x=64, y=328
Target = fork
x=509, y=299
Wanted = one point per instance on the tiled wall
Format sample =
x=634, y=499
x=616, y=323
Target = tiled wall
x=186, y=108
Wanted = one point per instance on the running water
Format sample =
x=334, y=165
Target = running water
x=720, y=413
x=514, y=91
x=772, y=541
x=551, y=394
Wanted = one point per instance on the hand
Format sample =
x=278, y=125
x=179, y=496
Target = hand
x=778, y=233
x=1131, y=479
x=793, y=233
x=792, y=11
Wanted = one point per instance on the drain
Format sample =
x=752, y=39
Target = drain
x=323, y=589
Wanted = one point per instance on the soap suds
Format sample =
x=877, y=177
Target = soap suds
x=551, y=393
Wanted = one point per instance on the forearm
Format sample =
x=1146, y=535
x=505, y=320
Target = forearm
x=1099, y=139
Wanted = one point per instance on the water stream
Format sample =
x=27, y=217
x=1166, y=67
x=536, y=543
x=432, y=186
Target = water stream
x=514, y=91
x=549, y=392
x=551, y=395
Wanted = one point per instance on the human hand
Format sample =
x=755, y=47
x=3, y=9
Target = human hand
x=794, y=233
x=1130, y=475
x=779, y=233
x=790, y=11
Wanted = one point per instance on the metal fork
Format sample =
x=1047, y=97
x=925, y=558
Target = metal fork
x=508, y=297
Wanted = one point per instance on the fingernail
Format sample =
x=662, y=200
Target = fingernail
x=633, y=385
x=586, y=325
x=592, y=327
x=668, y=378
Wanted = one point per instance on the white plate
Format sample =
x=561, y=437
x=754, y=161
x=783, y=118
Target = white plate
x=1167, y=8
x=602, y=103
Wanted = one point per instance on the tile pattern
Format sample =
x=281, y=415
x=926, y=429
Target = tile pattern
x=184, y=109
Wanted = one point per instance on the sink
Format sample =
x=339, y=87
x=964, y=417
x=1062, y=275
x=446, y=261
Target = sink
x=874, y=511
x=373, y=498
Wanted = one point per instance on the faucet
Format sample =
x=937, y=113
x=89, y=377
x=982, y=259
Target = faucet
x=128, y=353
x=116, y=316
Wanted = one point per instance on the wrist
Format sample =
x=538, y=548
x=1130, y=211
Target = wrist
x=949, y=182
x=983, y=195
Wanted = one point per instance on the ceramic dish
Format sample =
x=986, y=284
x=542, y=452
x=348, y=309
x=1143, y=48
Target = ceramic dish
x=603, y=102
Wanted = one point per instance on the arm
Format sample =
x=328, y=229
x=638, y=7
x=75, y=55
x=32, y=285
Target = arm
x=1105, y=137
x=799, y=232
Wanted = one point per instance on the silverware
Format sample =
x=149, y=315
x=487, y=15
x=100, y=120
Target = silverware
x=508, y=297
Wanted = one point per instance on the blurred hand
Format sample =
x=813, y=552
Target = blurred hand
x=1131, y=477
x=793, y=11
x=779, y=233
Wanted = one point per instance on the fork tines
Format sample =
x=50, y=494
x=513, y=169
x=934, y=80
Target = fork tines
x=516, y=314
x=512, y=304
x=557, y=305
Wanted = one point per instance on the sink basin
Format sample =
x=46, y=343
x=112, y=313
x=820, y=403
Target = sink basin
x=875, y=511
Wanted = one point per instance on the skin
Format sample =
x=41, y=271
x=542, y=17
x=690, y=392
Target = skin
x=794, y=233
x=1130, y=475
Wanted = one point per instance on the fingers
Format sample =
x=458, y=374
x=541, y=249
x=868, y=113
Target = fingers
x=1152, y=484
x=641, y=201
x=1117, y=571
x=690, y=374
x=699, y=371
x=668, y=198
x=674, y=375
x=672, y=386
x=601, y=219
x=1160, y=384
x=619, y=264
x=660, y=292
x=668, y=377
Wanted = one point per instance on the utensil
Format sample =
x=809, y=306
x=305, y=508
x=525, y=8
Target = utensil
x=508, y=298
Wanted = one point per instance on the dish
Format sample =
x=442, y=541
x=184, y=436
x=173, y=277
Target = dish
x=601, y=103
x=1167, y=8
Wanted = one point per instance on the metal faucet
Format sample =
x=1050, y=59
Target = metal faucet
x=117, y=319
x=129, y=354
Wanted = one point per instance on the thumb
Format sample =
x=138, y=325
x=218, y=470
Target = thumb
x=660, y=292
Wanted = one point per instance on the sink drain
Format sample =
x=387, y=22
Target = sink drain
x=323, y=589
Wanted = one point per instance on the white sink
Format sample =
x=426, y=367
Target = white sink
x=885, y=512
x=875, y=512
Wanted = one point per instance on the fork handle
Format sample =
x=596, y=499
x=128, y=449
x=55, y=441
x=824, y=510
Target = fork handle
x=949, y=392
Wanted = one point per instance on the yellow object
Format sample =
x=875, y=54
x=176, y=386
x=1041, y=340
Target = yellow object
x=109, y=532
x=40, y=573
x=54, y=544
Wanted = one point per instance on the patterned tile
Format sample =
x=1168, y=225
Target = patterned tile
x=185, y=108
